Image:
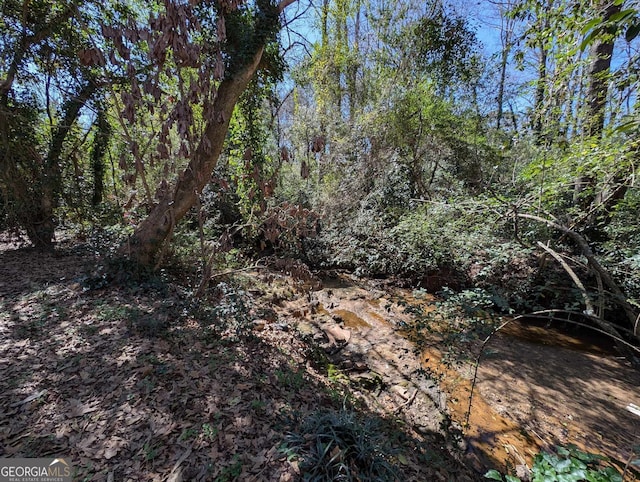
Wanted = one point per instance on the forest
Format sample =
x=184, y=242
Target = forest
x=321, y=240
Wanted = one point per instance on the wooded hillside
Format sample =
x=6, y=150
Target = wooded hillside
x=484, y=152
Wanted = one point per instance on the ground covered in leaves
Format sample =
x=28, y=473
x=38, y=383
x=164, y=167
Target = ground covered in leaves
x=142, y=381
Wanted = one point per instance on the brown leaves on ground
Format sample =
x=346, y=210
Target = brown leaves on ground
x=129, y=384
x=79, y=381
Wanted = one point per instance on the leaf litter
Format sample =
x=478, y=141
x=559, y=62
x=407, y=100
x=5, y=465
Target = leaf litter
x=91, y=375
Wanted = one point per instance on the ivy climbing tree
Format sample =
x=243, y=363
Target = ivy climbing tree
x=45, y=44
x=212, y=50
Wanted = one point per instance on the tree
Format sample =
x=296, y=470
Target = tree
x=602, y=199
x=507, y=33
x=98, y=153
x=601, y=55
x=42, y=47
x=240, y=56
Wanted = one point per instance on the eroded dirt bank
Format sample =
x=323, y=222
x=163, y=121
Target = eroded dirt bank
x=536, y=387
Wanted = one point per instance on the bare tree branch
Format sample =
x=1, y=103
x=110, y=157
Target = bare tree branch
x=619, y=296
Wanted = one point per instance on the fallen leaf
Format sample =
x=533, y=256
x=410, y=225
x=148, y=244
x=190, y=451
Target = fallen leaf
x=77, y=408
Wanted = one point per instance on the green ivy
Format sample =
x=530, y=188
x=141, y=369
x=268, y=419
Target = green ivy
x=570, y=464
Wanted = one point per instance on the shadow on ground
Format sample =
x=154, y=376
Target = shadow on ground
x=138, y=383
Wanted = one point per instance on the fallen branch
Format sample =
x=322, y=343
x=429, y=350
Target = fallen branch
x=626, y=466
x=176, y=473
x=573, y=275
x=208, y=276
x=631, y=314
x=590, y=311
x=238, y=270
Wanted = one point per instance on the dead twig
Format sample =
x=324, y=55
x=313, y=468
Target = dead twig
x=628, y=464
x=477, y=364
x=408, y=402
x=30, y=398
x=176, y=473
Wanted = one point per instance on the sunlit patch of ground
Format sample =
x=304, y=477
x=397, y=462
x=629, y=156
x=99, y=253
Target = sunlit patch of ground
x=536, y=387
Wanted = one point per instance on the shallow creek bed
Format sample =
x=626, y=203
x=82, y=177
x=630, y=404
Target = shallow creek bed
x=535, y=386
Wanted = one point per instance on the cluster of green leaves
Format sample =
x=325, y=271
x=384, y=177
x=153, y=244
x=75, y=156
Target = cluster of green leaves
x=621, y=251
x=446, y=47
x=248, y=27
x=569, y=465
x=627, y=20
x=608, y=221
x=553, y=172
x=229, y=314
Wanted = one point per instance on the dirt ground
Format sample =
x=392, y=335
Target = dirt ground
x=536, y=386
x=561, y=391
x=139, y=381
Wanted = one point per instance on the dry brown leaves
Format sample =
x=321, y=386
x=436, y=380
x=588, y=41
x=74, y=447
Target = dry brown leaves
x=78, y=381
x=130, y=384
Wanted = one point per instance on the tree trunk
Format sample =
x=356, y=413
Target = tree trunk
x=324, y=20
x=34, y=183
x=601, y=53
x=540, y=94
x=503, y=76
x=600, y=204
x=51, y=175
x=506, y=35
x=144, y=245
x=98, y=155
x=514, y=119
x=354, y=58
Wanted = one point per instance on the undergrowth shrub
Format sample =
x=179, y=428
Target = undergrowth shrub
x=461, y=319
x=464, y=243
x=341, y=446
x=228, y=308
x=621, y=252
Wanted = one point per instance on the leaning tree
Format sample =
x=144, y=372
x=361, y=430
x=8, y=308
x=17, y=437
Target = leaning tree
x=205, y=53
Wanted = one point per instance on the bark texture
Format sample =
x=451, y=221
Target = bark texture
x=145, y=244
x=601, y=53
